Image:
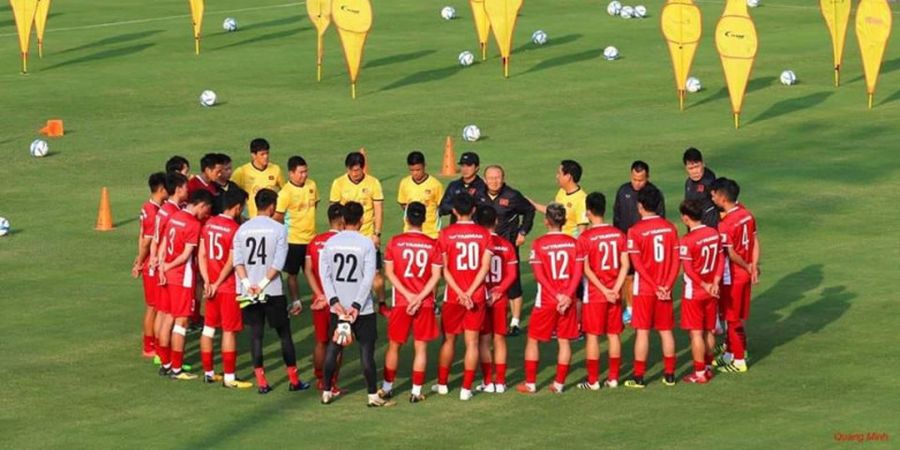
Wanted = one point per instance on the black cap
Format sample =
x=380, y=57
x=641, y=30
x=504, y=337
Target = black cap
x=469, y=159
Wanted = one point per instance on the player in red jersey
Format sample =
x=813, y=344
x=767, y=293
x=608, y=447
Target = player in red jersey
x=220, y=289
x=321, y=314
x=557, y=266
x=465, y=247
x=653, y=246
x=701, y=256
x=412, y=262
x=141, y=267
x=606, y=266
x=179, y=240
x=210, y=171
x=503, y=273
x=738, y=229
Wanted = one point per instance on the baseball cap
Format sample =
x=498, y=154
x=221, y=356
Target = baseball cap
x=469, y=159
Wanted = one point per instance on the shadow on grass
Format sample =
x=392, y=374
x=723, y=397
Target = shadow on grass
x=754, y=85
x=122, y=223
x=264, y=37
x=886, y=67
x=552, y=42
x=105, y=54
x=791, y=105
x=396, y=59
x=894, y=97
x=127, y=37
x=271, y=23
x=566, y=60
x=424, y=76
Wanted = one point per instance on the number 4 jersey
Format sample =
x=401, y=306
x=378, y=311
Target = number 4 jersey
x=463, y=245
x=413, y=255
x=260, y=244
x=217, y=237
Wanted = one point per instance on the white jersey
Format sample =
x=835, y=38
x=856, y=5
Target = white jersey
x=260, y=244
x=347, y=270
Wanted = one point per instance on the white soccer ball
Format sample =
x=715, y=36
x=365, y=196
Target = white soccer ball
x=471, y=133
x=788, y=78
x=448, y=13
x=466, y=58
x=610, y=53
x=613, y=8
x=627, y=12
x=693, y=85
x=539, y=37
x=753, y=3
x=208, y=98
x=39, y=148
x=229, y=24
x=640, y=11
x=4, y=226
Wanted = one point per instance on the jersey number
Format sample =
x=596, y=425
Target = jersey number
x=745, y=238
x=467, y=256
x=709, y=252
x=659, y=250
x=418, y=258
x=496, y=273
x=349, y=262
x=216, y=251
x=610, y=255
x=170, y=245
x=257, y=251
x=559, y=265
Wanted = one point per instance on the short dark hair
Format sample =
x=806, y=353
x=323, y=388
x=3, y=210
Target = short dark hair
x=486, y=216
x=233, y=197
x=571, y=167
x=463, y=204
x=354, y=159
x=727, y=187
x=556, y=214
x=295, y=162
x=596, y=203
x=692, y=155
x=692, y=208
x=415, y=214
x=176, y=164
x=223, y=158
x=175, y=180
x=650, y=198
x=265, y=198
x=414, y=158
x=209, y=161
x=156, y=180
x=352, y=213
x=201, y=196
x=259, y=144
x=335, y=212
x=640, y=166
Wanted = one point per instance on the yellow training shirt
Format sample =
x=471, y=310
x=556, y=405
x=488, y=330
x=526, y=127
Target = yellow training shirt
x=576, y=210
x=366, y=192
x=298, y=204
x=429, y=192
x=252, y=180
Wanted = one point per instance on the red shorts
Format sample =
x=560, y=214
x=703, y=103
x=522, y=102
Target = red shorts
x=649, y=313
x=223, y=311
x=734, y=300
x=151, y=289
x=321, y=321
x=163, y=304
x=495, y=317
x=602, y=317
x=181, y=300
x=698, y=314
x=546, y=319
x=455, y=318
x=422, y=324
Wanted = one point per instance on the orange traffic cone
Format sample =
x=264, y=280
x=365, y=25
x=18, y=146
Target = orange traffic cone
x=54, y=128
x=104, y=214
x=366, y=157
x=448, y=167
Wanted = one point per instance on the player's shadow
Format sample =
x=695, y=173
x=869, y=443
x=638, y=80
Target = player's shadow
x=792, y=105
x=894, y=97
x=265, y=37
x=424, y=76
x=566, y=60
x=105, y=54
x=752, y=86
x=397, y=59
x=118, y=39
x=271, y=23
x=552, y=42
x=886, y=67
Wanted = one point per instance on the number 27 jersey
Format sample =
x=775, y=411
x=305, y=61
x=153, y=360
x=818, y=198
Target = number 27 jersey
x=463, y=245
x=413, y=255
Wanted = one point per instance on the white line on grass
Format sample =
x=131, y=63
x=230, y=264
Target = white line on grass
x=160, y=19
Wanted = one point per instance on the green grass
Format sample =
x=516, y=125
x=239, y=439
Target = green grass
x=818, y=169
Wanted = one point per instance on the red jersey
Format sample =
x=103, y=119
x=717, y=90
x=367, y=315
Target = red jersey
x=602, y=247
x=653, y=243
x=166, y=211
x=313, y=249
x=503, y=266
x=182, y=230
x=462, y=246
x=196, y=184
x=217, y=236
x=701, y=254
x=148, y=219
x=738, y=230
x=413, y=255
x=557, y=266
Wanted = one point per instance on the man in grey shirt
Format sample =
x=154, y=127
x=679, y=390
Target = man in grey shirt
x=260, y=249
x=347, y=271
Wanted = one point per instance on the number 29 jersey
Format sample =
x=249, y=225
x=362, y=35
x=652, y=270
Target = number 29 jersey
x=413, y=255
x=463, y=245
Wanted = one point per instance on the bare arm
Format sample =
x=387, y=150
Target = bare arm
x=395, y=281
x=479, y=279
x=625, y=266
x=378, y=208
x=181, y=259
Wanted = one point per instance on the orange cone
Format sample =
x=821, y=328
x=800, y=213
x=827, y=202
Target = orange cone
x=366, y=157
x=104, y=214
x=54, y=128
x=448, y=167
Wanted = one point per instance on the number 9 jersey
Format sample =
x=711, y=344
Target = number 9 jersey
x=413, y=255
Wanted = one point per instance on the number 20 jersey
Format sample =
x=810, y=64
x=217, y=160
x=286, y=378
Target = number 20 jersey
x=463, y=244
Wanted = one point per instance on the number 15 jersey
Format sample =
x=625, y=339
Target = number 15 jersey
x=463, y=245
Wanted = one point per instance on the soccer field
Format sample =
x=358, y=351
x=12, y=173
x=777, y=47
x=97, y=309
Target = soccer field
x=817, y=168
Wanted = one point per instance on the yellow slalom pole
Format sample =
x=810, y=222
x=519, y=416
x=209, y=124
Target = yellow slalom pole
x=871, y=96
x=353, y=90
x=197, y=46
x=681, y=99
x=483, y=51
x=737, y=120
x=319, y=50
x=837, y=76
x=24, y=62
x=505, y=67
x=40, y=48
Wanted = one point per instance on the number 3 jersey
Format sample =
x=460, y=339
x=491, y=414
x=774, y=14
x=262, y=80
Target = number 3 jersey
x=652, y=242
x=463, y=245
x=558, y=265
x=216, y=237
x=260, y=244
x=347, y=270
x=413, y=255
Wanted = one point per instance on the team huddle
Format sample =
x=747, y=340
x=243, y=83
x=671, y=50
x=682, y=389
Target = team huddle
x=223, y=239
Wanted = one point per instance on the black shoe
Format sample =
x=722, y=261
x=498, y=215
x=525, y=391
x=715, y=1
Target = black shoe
x=437, y=309
x=264, y=389
x=164, y=371
x=636, y=382
x=514, y=331
x=669, y=380
x=214, y=379
x=300, y=386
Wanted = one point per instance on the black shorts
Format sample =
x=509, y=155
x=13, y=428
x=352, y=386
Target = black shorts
x=296, y=257
x=274, y=309
x=365, y=329
x=515, y=291
x=379, y=264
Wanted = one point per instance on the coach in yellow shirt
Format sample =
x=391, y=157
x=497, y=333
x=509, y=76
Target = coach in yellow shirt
x=258, y=174
x=570, y=195
x=421, y=187
x=296, y=208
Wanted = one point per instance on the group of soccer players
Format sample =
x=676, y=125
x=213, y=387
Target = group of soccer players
x=222, y=239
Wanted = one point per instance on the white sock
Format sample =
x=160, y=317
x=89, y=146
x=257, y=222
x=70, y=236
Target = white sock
x=740, y=362
x=229, y=378
x=417, y=390
x=374, y=397
x=211, y=373
x=530, y=386
x=559, y=387
x=700, y=373
x=514, y=322
x=167, y=366
x=628, y=308
x=387, y=386
x=465, y=391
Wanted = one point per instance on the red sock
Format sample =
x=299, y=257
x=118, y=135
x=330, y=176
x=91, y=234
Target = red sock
x=614, y=368
x=593, y=370
x=699, y=366
x=735, y=341
x=709, y=359
x=177, y=360
x=260, y=377
x=500, y=373
x=156, y=343
x=320, y=374
x=639, y=368
x=562, y=371
x=443, y=375
x=389, y=375
x=418, y=378
x=165, y=355
x=148, y=343
x=486, y=371
x=292, y=374
x=229, y=360
x=206, y=358
x=531, y=368
x=668, y=365
x=468, y=378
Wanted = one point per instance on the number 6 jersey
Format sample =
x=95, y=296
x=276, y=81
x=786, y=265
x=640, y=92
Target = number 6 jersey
x=259, y=245
x=653, y=243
